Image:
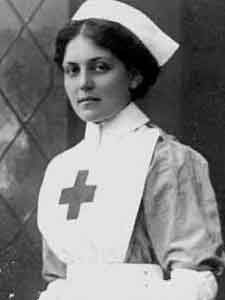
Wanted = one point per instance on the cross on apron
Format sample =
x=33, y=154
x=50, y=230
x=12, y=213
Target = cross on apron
x=78, y=194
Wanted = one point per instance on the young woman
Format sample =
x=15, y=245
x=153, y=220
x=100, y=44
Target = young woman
x=129, y=206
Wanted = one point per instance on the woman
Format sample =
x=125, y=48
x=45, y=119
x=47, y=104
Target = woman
x=130, y=206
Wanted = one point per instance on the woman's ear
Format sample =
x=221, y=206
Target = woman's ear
x=135, y=79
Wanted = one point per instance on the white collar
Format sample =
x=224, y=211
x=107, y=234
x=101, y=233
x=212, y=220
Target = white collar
x=128, y=119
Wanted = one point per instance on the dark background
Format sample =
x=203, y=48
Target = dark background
x=36, y=121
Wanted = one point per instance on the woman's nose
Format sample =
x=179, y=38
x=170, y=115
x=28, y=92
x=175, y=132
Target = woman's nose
x=86, y=81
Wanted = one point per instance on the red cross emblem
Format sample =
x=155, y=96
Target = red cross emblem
x=78, y=194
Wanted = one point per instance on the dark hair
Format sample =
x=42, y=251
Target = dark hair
x=117, y=39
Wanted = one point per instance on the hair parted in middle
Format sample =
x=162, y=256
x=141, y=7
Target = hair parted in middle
x=117, y=39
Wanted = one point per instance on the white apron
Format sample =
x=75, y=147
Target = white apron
x=94, y=239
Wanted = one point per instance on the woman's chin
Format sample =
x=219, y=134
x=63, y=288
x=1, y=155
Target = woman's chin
x=90, y=117
x=96, y=116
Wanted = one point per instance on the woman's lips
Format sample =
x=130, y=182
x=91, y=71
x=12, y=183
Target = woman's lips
x=88, y=100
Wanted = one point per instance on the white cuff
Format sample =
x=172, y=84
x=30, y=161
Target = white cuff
x=186, y=284
x=202, y=283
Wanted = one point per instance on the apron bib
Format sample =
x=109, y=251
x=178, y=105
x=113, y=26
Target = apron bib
x=109, y=183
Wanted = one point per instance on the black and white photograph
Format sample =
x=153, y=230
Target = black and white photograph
x=112, y=150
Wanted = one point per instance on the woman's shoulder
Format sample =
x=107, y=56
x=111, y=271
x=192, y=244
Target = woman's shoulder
x=170, y=150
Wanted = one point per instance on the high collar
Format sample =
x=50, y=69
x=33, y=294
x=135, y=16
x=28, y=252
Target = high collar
x=128, y=119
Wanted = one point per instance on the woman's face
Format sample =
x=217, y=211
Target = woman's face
x=96, y=82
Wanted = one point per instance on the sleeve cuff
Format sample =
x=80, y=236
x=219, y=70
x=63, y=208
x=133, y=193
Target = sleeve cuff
x=198, y=285
x=185, y=284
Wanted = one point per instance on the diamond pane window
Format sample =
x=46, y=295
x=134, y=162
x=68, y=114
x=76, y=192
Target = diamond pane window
x=32, y=108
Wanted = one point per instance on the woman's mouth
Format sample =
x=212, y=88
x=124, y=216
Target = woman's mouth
x=88, y=100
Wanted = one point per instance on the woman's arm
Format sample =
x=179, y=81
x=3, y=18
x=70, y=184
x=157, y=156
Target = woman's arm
x=54, y=272
x=182, y=217
x=52, y=267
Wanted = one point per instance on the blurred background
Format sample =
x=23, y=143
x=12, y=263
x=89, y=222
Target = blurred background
x=36, y=121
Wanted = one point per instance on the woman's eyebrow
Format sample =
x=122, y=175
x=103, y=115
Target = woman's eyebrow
x=99, y=58
x=91, y=58
x=69, y=64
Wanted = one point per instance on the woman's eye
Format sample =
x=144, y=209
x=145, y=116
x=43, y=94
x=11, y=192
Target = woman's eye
x=71, y=70
x=101, y=67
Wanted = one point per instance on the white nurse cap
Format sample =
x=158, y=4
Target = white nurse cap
x=160, y=45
